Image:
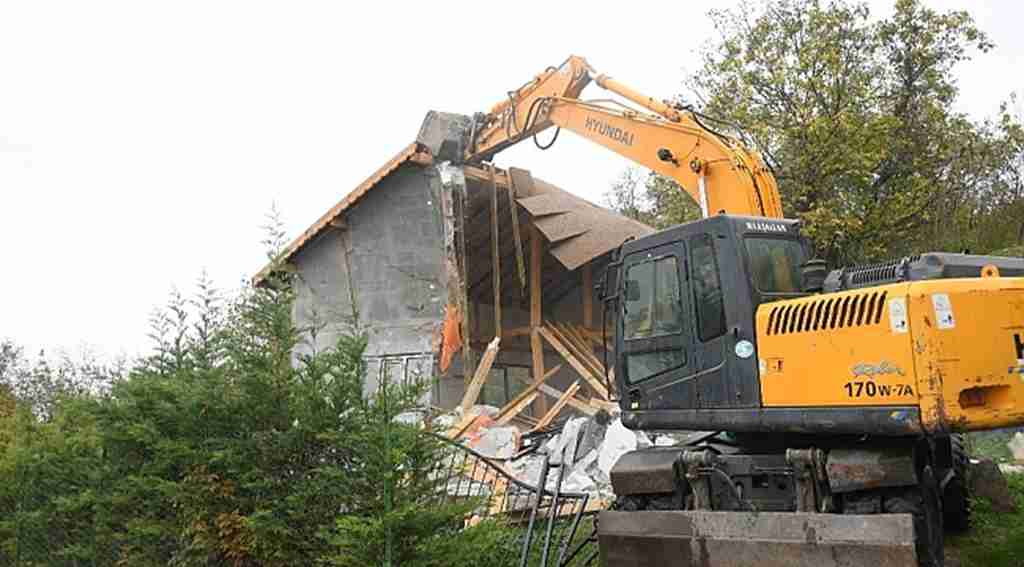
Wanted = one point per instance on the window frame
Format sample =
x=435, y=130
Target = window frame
x=697, y=302
x=654, y=260
x=754, y=281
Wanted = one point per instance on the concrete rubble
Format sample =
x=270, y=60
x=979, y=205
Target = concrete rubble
x=1016, y=446
x=584, y=450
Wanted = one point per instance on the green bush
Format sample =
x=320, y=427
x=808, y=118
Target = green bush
x=225, y=448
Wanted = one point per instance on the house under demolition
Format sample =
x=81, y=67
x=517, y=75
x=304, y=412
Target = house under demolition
x=480, y=276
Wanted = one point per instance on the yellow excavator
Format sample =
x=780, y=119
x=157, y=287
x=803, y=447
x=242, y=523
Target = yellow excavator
x=832, y=401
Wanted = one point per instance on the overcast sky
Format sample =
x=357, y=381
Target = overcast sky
x=142, y=142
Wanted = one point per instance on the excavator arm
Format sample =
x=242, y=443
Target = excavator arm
x=716, y=170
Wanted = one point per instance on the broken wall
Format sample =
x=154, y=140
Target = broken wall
x=387, y=261
x=564, y=294
x=379, y=269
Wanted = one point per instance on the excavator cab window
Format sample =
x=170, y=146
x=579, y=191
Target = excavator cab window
x=653, y=317
x=652, y=299
x=707, y=288
x=775, y=264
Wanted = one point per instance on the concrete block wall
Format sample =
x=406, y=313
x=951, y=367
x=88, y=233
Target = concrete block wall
x=380, y=271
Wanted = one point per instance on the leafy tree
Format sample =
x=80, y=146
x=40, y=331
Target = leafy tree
x=39, y=382
x=854, y=115
x=652, y=199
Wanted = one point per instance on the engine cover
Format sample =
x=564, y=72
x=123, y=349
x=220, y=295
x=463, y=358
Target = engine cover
x=930, y=266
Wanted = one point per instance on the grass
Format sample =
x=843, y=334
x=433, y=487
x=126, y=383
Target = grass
x=995, y=540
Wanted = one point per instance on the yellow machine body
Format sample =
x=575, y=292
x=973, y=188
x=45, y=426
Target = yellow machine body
x=952, y=347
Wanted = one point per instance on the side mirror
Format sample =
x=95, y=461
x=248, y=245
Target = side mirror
x=632, y=290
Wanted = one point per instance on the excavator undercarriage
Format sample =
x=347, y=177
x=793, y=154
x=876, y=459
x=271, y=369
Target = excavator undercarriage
x=724, y=504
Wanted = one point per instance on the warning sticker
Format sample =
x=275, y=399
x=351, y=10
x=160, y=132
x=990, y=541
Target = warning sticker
x=943, y=311
x=898, y=315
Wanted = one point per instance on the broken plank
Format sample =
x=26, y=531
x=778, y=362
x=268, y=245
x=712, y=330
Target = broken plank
x=555, y=409
x=583, y=343
x=514, y=404
x=603, y=405
x=574, y=402
x=516, y=409
x=473, y=389
x=555, y=393
x=581, y=368
x=582, y=353
x=578, y=337
x=459, y=428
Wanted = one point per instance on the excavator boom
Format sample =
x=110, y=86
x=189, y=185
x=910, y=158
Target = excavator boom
x=716, y=170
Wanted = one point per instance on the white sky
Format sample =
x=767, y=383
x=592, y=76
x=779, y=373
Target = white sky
x=142, y=142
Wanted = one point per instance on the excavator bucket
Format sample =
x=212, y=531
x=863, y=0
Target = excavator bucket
x=764, y=539
x=445, y=135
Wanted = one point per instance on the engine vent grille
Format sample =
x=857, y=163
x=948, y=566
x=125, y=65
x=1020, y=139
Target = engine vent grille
x=827, y=312
x=877, y=273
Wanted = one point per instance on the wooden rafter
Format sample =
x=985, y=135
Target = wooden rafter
x=520, y=260
x=579, y=366
x=515, y=406
x=555, y=409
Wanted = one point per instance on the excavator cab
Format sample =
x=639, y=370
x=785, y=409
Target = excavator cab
x=684, y=310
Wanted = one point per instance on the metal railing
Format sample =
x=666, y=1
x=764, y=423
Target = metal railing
x=553, y=527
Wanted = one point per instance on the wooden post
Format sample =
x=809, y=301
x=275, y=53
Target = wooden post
x=477, y=383
x=588, y=297
x=495, y=259
x=536, y=347
x=467, y=329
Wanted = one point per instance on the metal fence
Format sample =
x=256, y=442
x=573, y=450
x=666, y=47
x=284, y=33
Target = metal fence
x=554, y=528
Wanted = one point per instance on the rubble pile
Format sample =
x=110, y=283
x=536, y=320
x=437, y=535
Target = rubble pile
x=583, y=450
